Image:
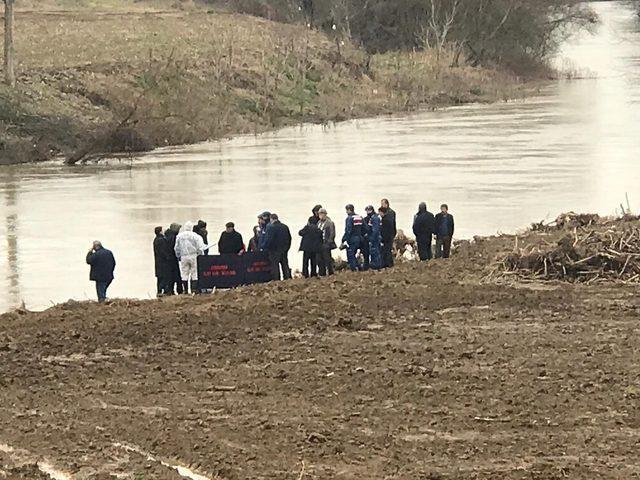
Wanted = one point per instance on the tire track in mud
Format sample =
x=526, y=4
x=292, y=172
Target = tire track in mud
x=20, y=459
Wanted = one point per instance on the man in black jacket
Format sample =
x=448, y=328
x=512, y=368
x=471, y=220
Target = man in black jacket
x=201, y=229
x=102, y=265
x=391, y=214
x=423, y=228
x=316, y=215
x=173, y=273
x=444, y=232
x=161, y=261
x=310, y=246
x=230, y=241
x=388, y=234
x=278, y=243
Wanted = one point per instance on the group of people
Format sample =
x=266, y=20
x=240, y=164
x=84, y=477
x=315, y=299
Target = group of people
x=176, y=254
x=372, y=237
x=368, y=241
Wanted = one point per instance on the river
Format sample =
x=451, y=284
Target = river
x=499, y=167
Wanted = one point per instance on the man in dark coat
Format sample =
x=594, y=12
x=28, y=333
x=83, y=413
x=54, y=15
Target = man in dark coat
x=374, y=239
x=102, y=265
x=255, y=240
x=230, y=242
x=162, y=265
x=310, y=246
x=391, y=214
x=366, y=231
x=201, y=229
x=444, y=232
x=388, y=234
x=315, y=212
x=423, y=228
x=173, y=271
x=264, y=219
x=278, y=243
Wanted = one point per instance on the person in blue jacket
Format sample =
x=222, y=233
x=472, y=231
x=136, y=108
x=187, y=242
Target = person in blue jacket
x=374, y=223
x=352, y=239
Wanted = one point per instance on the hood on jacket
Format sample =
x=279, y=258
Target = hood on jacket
x=422, y=208
x=188, y=227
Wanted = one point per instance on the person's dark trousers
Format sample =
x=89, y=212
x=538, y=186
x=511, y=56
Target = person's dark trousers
x=309, y=259
x=160, y=286
x=185, y=288
x=325, y=262
x=352, y=250
x=366, y=254
x=284, y=264
x=279, y=260
x=178, y=281
x=195, y=290
x=443, y=247
x=101, y=290
x=387, y=255
x=376, y=256
x=424, y=249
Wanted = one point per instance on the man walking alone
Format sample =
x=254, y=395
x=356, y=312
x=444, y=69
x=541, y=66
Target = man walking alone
x=102, y=266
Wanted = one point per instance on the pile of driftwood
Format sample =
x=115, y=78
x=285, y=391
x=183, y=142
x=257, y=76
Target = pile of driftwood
x=583, y=248
x=568, y=220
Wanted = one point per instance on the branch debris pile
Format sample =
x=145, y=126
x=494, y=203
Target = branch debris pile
x=578, y=248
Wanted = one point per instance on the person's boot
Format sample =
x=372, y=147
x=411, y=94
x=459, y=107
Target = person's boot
x=194, y=287
x=185, y=288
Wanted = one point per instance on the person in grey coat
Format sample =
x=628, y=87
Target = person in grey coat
x=328, y=228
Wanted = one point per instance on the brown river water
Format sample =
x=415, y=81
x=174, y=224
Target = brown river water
x=576, y=146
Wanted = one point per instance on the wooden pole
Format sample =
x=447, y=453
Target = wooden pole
x=9, y=53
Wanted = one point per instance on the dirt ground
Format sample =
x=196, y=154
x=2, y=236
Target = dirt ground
x=423, y=372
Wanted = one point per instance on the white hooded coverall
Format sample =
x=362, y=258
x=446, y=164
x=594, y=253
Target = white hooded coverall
x=188, y=246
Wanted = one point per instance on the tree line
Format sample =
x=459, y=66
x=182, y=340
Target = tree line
x=512, y=33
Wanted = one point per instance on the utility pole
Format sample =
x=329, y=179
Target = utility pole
x=9, y=53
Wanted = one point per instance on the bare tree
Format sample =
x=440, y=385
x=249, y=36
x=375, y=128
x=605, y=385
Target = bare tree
x=441, y=18
x=9, y=54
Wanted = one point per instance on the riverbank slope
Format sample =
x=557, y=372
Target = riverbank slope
x=432, y=370
x=131, y=76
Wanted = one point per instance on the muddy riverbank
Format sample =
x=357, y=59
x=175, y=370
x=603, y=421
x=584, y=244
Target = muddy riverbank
x=425, y=371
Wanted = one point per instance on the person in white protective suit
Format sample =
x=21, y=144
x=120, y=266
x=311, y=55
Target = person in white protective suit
x=188, y=246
